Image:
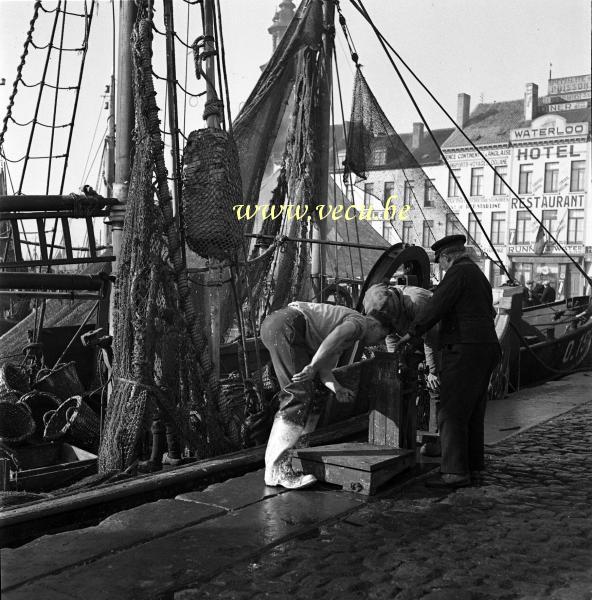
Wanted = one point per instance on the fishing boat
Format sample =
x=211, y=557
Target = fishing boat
x=193, y=283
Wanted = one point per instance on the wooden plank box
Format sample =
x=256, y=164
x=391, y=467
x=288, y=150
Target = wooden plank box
x=358, y=467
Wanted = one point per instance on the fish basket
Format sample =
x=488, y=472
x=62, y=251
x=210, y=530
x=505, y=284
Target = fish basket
x=61, y=381
x=75, y=419
x=211, y=187
x=38, y=404
x=14, y=377
x=16, y=422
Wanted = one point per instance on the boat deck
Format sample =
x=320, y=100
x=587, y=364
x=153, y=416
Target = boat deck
x=154, y=549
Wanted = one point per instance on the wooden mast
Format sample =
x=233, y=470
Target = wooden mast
x=213, y=121
x=124, y=128
x=324, y=135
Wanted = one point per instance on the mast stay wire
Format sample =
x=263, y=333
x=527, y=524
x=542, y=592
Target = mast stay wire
x=384, y=42
x=499, y=260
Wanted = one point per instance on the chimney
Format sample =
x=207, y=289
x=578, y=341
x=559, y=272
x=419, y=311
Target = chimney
x=531, y=100
x=463, y=109
x=417, y=135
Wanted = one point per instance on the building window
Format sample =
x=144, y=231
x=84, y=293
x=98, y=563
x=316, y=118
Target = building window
x=389, y=190
x=368, y=192
x=452, y=224
x=341, y=155
x=474, y=229
x=578, y=168
x=525, y=180
x=551, y=177
x=427, y=232
x=548, y=220
x=453, y=189
x=575, y=226
x=522, y=222
x=407, y=227
x=428, y=193
x=498, y=228
x=499, y=187
x=379, y=156
x=408, y=192
x=477, y=181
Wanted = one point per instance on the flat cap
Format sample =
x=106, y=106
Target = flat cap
x=450, y=241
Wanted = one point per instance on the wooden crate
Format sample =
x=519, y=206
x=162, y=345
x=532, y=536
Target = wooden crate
x=358, y=467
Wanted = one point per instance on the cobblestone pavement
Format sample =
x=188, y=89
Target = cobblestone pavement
x=524, y=533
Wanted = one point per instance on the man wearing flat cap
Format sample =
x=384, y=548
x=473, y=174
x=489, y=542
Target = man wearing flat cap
x=463, y=304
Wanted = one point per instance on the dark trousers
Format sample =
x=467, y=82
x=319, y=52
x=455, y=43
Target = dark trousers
x=464, y=377
x=283, y=332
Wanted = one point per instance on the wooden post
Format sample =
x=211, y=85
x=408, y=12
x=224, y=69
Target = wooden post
x=324, y=135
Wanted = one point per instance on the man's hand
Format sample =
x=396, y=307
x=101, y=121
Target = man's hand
x=344, y=395
x=433, y=383
x=307, y=374
x=401, y=342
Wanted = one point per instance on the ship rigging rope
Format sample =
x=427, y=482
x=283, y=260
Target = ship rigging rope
x=364, y=13
x=49, y=85
x=349, y=181
x=19, y=70
x=384, y=41
x=39, y=123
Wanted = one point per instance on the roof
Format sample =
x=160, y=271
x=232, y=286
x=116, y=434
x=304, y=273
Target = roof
x=492, y=123
x=427, y=153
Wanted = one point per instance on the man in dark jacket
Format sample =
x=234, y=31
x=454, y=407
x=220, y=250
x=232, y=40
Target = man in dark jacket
x=463, y=304
x=548, y=294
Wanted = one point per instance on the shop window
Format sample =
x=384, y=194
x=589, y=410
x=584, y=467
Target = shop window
x=498, y=228
x=474, y=229
x=477, y=181
x=522, y=223
x=408, y=192
x=551, y=177
x=407, y=233
x=578, y=169
x=341, y=155
x=525, y=179
x=387, y=231
x=522, y=272
x=453, y=189
x=575, y=226
x=368, y=192
x=389, y=190
x=428, y=193
x=427, y=233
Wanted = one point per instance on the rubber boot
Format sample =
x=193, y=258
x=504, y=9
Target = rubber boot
x=278, y=464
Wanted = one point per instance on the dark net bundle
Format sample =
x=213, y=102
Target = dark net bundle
x=160, y=361
x=211, y=187
x=373, y=149
x=260, y=129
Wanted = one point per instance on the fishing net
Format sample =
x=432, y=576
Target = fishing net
x=386, y=168
x=211, y=187
x=161, y=360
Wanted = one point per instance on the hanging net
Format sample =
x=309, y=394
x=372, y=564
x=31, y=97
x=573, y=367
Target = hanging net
x=387, y=169
x=161, y=361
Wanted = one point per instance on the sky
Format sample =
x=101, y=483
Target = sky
x=489, y=50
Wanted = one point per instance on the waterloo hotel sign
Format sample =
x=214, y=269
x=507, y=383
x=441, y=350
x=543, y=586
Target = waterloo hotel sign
x=550, y=171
